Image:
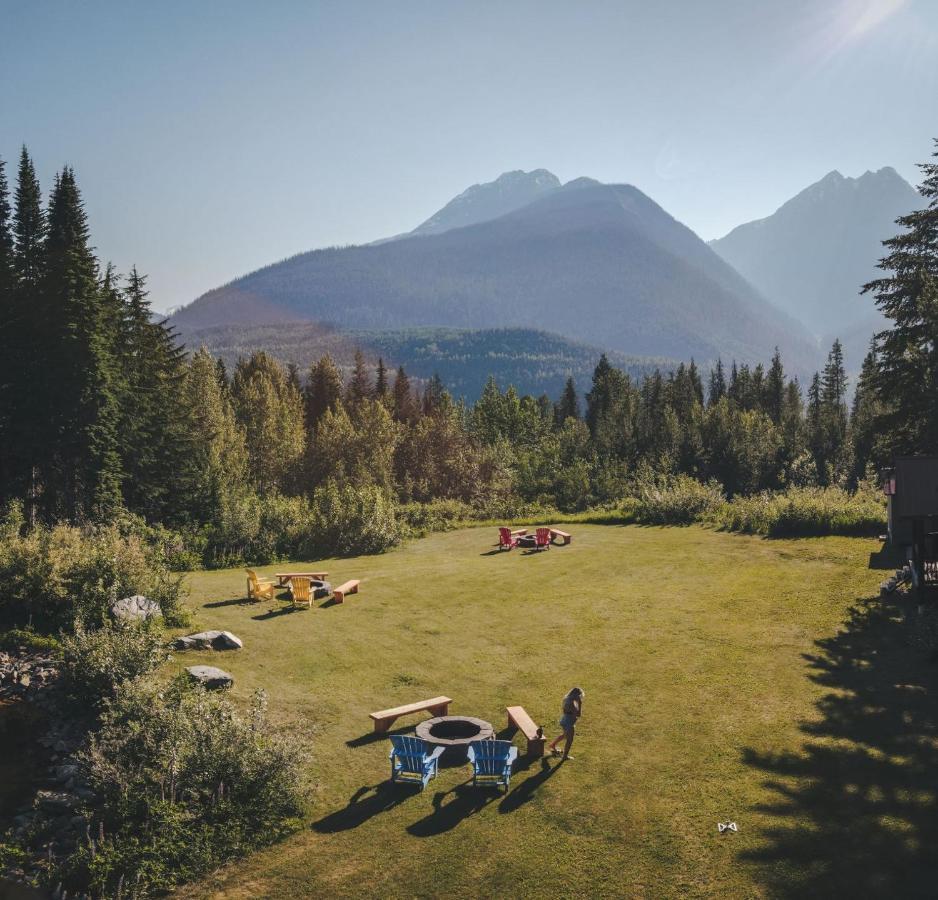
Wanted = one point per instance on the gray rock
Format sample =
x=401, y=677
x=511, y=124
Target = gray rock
x=210, y=676
x=135, y=609
x=54, y=801
x=209, y=640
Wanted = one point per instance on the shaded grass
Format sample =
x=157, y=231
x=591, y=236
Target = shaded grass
x=695, y=648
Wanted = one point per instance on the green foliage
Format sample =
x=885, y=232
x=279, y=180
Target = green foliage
x=96, y=662
x=182, y=783
x=15, y=638
x=348, y=520
x=55, y=575
x=676, y=500
x=807, y=511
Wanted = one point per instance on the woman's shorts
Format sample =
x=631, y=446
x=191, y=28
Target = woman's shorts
x=568, y=722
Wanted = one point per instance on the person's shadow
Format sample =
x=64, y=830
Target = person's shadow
x=464, y=801
x=366, y=802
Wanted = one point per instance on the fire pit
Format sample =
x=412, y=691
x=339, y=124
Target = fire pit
x=455, y=733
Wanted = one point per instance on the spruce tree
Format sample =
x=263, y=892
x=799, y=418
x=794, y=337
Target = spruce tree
x=381, y=382
x=29, y=225
x=83, y=467
x=402, y=398
x=907, y=360
x=359, y=388
x=717, y=389
x=323, y=391
x=864, y=419
x=10, y=388
x=774, y=391
x=568, y=406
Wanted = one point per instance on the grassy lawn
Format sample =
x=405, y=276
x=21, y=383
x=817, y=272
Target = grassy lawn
x=725, y=677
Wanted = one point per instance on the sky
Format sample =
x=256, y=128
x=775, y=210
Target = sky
x=211, y=138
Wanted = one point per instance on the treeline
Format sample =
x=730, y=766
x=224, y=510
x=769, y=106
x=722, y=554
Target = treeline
x=102, y=412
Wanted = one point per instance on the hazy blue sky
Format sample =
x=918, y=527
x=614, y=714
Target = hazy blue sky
x=210, y=138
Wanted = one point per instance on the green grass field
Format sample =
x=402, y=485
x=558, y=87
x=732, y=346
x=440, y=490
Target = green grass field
x=725, y=677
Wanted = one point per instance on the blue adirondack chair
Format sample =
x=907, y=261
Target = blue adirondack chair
x=410, y=761
x=491, y=762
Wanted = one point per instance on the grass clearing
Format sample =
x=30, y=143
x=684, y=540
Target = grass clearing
x=725, y=677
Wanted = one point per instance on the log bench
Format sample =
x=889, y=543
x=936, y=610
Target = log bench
x=438, y=706
x=350, y=587
x=518, y=718
x=562, y=536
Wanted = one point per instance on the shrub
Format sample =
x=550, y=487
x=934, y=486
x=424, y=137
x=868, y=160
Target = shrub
x=181, y=783
x=806, y=511
x=349, y=520
x=55, y=575
x=676, y=500
x=95, y=663
x=419, y=519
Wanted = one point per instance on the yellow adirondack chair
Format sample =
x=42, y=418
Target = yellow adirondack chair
x=301, y=591
x=259, y=588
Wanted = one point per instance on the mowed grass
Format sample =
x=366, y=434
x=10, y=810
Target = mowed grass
x=721, y=683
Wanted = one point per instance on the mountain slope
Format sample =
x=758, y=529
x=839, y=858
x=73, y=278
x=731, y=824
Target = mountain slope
x=812, y=256
x=482, y=202
x=597, y=263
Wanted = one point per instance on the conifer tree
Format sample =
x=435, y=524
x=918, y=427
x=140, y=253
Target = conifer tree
x=907, y=359
x=29, y=225
x=323, y=391
x=359, y=388
x=864, y=419
x=717, y=389
x=381, y=382
x=9, y=386
x=402, y=398
x=774, y=392
x=568, y=406
x=83, y=467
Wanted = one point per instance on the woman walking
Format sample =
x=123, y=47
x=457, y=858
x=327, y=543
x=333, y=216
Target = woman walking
x=572, y=710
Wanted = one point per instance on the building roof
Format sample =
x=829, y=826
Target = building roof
x=916, y=487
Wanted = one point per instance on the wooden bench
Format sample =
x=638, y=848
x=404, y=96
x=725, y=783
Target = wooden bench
x=350, y=587
x=556, y=533
x=518, y=718
x=438, y=706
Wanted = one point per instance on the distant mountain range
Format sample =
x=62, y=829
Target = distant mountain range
x=599, y=264
x=812, y=256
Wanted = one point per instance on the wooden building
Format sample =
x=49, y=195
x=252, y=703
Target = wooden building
x=911, y=489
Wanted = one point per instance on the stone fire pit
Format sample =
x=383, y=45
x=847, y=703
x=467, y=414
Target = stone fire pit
x=455, y=733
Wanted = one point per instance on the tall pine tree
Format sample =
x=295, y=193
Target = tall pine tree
x=907, y=360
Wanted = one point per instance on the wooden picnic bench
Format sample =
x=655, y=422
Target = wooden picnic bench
x=350, y=587
x=556, y=533
x=518, y=717
x=283, y=578
x=438, y=706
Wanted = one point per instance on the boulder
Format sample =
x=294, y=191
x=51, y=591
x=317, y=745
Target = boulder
x=135, y=609
x=209, y=640
x=210, y=676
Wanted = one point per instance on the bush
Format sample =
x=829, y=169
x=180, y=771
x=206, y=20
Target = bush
x=806, y=511
x=419, y=519
x=676, y=500
x=52, y=576
x=182, y=783
x=349, y=520
x=95, y=663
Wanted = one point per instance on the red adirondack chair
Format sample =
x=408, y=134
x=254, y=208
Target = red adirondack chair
x=542, y=539
x=506, y=540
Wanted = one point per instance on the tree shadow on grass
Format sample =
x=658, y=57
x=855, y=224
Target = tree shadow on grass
x=279, y=611
x=234, y=601
x=465, y=801
x=364, y=804
x=525, y=790
x=372, y=737
x=857, y=807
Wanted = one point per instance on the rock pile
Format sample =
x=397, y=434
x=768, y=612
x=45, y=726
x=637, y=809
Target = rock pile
x=24, y=674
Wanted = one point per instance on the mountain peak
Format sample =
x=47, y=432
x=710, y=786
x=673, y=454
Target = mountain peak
x=481, y=202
